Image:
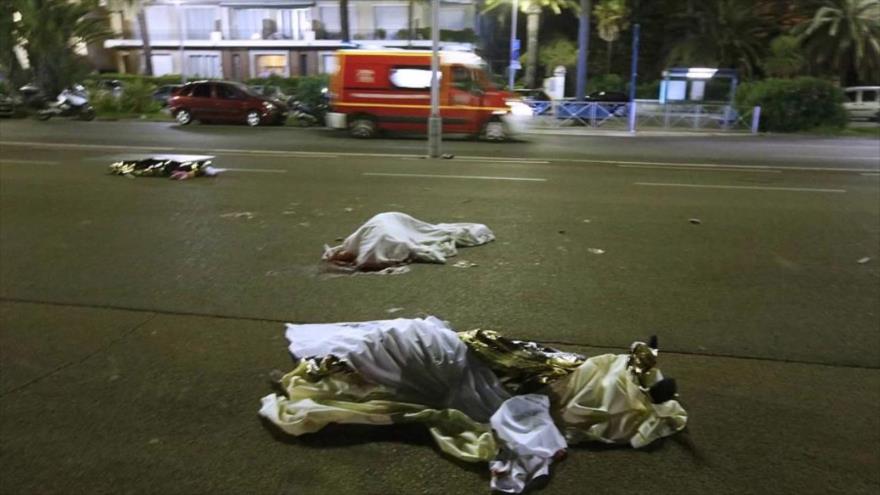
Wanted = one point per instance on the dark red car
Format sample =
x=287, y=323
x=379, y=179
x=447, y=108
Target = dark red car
x=223, y=101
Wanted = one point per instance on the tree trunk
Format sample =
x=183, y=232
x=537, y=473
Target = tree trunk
x=583, y=49
x=533, y=20
x=409, y=22
x=145, y=41
x=343, y=20
x=610, y=47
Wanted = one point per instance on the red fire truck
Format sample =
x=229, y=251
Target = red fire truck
x=390, y=90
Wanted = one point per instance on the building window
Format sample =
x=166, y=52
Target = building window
x=162, y=64
x=389, y=20
x=200, y=22
x=454, y=18
x=205, y=65
x=329, y=63
x=303, y=64
x=161, y=22
x=266, y=65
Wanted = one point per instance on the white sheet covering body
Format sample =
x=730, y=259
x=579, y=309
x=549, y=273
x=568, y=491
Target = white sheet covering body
x=601, y=401
x=394, y=238
x=421, y=359
x=529, y=439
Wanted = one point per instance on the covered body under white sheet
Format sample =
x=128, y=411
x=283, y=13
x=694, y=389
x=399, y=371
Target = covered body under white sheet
x=395, y=238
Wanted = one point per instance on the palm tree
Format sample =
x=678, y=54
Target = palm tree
x=721, y=33
x=145, y=35
x=612, y=18
x=50, y=31
x=343, y=20
x=532, y=9
x=844, y=36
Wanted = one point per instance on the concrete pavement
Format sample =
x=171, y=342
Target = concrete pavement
x=140, y=318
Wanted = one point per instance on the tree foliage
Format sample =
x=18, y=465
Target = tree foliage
x=786, y=57
x=50, y=30
x=612, y=17
x=844, y=37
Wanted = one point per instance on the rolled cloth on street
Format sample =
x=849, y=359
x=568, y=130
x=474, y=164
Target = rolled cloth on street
x=394, y=238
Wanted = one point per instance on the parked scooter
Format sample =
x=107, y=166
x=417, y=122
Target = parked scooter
x=72, y=102
x=307, y=114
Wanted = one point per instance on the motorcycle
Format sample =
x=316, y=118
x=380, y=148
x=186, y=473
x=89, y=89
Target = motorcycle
x=71, y=102
x=306, y=114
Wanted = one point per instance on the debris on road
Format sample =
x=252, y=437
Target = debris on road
x=391, y=311
x=448, y=156
x=485, y=398
x=695, y=221
x=586, y=220
x=596, y=250
x=177, y=167
x=864, y=260
x=238, y=214
x=391, y=239
x=464, y=264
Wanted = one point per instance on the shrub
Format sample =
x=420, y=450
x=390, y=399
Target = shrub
x=789, y=105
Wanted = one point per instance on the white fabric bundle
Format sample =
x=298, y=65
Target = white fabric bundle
x=394, y=238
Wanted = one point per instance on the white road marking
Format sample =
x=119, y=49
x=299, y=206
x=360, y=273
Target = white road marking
x=11, y=161
x=874, y=159
x=259, y=170
x=753, y=188
x=477, y=177
x=160, y=149
x=474, y=160
x=871, y=174
x=708, y=169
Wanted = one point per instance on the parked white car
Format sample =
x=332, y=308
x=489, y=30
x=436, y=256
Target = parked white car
x=862, y=102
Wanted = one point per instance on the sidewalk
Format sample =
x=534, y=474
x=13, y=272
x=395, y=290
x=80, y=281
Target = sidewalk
x=101, y=400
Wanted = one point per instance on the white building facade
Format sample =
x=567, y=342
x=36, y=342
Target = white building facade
x=244, y=39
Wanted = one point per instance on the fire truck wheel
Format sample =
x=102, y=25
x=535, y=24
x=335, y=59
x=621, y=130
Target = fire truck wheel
x=494, y=131
x=362, y=127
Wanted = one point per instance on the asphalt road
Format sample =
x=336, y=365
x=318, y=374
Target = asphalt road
x=140, y=318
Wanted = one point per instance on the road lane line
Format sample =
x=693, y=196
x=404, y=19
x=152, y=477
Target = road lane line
x=258, y=170
x=11, y=161
x=476, y=177
x=753, y=188
x=871, y=174
x=165, y=150
x=471, y=160
x=705, y=169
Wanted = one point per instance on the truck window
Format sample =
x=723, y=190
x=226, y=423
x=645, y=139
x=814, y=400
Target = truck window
x=869, y=95
x=461, y=78
x=411, y=77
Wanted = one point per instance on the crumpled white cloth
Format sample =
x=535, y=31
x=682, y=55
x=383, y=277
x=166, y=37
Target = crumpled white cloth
x=530, y=442
x=394, y=238
x=601, y=401
x=423, y=360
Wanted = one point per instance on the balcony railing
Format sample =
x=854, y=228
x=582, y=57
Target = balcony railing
x=446, y=35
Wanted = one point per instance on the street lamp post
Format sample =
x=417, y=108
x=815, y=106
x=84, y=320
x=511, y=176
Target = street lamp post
x=435, y=123
x=514, y=46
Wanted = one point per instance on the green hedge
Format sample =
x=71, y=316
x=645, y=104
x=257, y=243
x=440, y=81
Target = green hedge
x=790, y=105
x=305, y=88
x=128, y=78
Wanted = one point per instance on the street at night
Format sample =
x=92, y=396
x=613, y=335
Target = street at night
x=142, y=318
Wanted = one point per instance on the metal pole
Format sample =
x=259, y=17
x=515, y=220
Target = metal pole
x=584, y=50
x=756, y=119
x=180, y=26
x=513, y=48
x=435, y=124
x=634, y=69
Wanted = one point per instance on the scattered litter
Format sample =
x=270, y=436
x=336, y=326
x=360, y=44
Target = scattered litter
x=464, y=264
x=484, y=397
x=238, y=214
x=596, y=250
x=393, y=310
x=390, y=239
x=864, y=260
x=153, y=441
x=349, y=209
x=113, y=378
x=586, y=220
x=339, y=239
x=304, y=224
x=695, y=221
x=177, y=167
x=288, y=212
x=561, y=231
x=448, y=156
